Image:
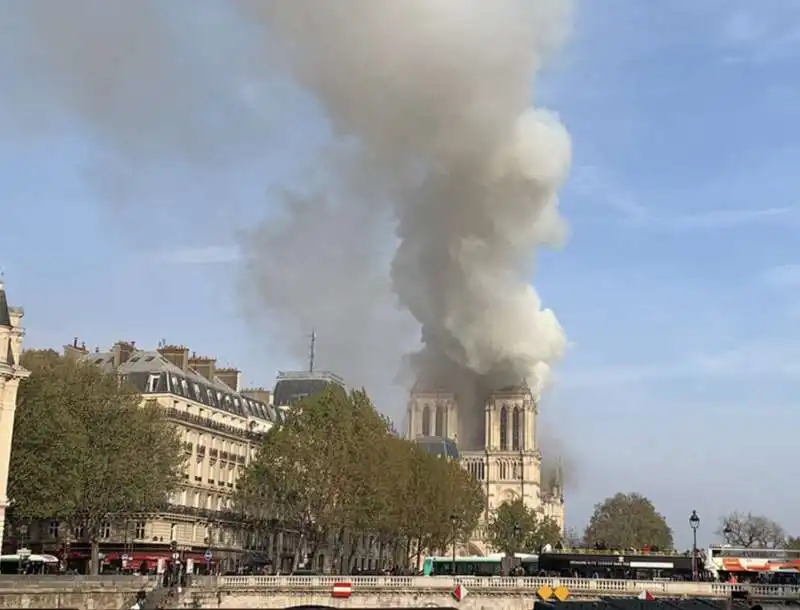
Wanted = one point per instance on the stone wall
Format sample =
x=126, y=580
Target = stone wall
x=78, y=593
x=280, y=600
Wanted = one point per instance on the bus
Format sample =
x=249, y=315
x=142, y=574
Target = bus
x=778, y=566
x=28, y=564
x=476, y=565
x=633, y=565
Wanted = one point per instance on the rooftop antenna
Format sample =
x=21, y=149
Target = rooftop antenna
x=312, y=350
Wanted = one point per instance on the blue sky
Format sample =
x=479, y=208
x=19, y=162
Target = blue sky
x=679, y=288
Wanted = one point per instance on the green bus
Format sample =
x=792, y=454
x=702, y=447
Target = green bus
x=490, y=565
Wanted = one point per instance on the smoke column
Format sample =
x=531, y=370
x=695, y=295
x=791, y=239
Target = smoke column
x=436, y=96
x=433, y=136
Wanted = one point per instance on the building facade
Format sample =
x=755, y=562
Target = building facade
x=11, y=373
x=508, y=464
x=221, y=425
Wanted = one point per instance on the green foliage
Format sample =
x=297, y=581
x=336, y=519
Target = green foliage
x=335, y=470
x=628, y=521
x=515, y=528
x=85, y=450
x=749, y=530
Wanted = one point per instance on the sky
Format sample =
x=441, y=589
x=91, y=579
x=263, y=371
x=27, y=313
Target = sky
x=679, y=289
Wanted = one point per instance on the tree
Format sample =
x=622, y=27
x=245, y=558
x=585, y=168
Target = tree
x=628, y=521
x=749, y=530
x=336, y=471
x=514, y=528
x=85, y=449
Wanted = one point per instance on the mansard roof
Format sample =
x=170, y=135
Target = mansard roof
x=151, y=373
x=292, y=386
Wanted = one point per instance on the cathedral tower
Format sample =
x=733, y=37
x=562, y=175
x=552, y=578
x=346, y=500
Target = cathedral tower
x=509, y=465
x=11, y=373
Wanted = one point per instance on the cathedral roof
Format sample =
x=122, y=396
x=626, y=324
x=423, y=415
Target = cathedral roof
x=5, y=316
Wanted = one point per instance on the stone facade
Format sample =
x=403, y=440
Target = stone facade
x=11, y=373
x=508, y=461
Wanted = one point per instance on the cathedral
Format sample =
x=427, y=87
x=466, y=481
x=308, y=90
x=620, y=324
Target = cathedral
x=502, y=455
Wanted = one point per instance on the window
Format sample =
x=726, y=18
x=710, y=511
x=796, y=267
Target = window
x=152, y=383
x=503, y=429
x=426, y=421
x=440, y=420
x=139, y=531
x=79, y=532
x=173, y=531
x=52, y=529
x=105, y=530
x=516, y=429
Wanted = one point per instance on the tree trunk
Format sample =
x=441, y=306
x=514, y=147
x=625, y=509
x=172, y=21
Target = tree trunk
x=297, y=550
x=94, y=566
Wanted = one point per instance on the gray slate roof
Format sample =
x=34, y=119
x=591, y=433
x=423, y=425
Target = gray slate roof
x=142, y=365
x=292, y=387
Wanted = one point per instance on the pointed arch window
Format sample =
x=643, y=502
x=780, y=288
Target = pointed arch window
x=440, y=421
x=516, y=429
x=426, y=421
x=503, y=429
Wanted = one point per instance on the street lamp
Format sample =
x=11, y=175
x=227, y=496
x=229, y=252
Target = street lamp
x=694, y=523
x=516, y=530
x=454, y=520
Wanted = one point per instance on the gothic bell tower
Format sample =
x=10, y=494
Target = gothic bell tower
x=513, y=460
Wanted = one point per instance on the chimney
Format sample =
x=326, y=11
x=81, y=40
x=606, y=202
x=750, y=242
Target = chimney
x=176, y=354
x=259, y=394
x=123, y=350
x=204, y=366
x=230, y=377
x=74, y=351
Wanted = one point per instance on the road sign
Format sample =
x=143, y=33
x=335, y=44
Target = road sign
x=342, y=590
x=460, y=592
x=208, y=555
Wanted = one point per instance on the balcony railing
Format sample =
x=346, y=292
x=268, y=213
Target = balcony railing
x=203, y=513
x=213, y=453
x=207, y=422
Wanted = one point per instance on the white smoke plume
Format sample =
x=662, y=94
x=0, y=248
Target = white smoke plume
x=433, y=135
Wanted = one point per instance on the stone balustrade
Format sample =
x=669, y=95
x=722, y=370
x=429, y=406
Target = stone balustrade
x=577, y=587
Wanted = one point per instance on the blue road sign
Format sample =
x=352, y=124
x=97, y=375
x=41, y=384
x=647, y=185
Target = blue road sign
x=208, y=555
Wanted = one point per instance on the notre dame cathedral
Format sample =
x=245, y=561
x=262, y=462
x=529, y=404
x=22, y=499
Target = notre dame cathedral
x=502, y=453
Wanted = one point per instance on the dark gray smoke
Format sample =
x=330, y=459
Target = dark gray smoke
x=433, y=136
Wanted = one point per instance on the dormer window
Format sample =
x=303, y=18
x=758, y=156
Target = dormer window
x=152, y=383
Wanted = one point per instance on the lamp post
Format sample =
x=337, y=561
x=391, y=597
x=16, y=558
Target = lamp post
x=694, y=523
x=515, y=532
x=454, y=521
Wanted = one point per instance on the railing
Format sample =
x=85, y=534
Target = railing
x=496, y=585
x=207, y=422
